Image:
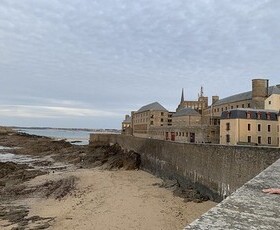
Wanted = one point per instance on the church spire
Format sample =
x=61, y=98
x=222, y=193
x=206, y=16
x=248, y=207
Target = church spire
x=182, y=96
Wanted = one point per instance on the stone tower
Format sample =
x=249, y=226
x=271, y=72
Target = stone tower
x=259, y=93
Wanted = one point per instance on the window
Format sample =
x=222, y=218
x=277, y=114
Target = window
x=187, y=134
x=268, y=128
x=249, y=127
x=231, y=107
x=249, y=139
x=227, y=126
x=183, y=134
x=176, y=133
x=161, y=119
x=249, y=105
x=237, y=106
x=243, y=106
x=152, y=116
x=227, y=138
x=259, y=127
x=269, y=102
x=259, y=140
x=162, y=113
x=179, y=133
x=222, y=109
x=226, y=107
x=259, y=115
x=152, y=122
x=248, y=115
x=269, y=140
x=228, y=114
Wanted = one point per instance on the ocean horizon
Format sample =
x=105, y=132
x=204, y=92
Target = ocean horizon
x=72, y=135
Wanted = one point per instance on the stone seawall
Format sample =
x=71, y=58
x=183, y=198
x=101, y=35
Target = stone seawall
x=215, y=170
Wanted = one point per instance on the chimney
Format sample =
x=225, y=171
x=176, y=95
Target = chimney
x=215, y=99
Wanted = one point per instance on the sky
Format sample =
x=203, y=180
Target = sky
x=87, y=63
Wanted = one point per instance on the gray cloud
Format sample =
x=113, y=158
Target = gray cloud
x=116, y=55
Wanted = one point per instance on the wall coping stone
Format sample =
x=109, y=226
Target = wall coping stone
x=248, y=207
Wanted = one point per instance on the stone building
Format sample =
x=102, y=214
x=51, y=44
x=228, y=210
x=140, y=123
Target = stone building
x=197, y=122
x=200, y=105
x=185, y=125
x=126, y=125
x=255, y=99
x=250, y=127
x=149, y=116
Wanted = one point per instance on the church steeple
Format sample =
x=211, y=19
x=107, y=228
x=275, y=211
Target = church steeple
x=182, y=96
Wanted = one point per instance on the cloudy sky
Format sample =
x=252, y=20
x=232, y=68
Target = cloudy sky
x=86, y=63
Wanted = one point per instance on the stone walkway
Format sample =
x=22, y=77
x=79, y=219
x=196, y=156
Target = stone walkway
x=248, y=207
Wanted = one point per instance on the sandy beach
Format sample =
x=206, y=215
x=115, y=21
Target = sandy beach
x=114, y=200
x=80, y=196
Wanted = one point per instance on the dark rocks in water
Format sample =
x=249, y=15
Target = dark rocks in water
x=73, y=142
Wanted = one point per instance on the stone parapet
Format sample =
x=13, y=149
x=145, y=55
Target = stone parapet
x=248, y=207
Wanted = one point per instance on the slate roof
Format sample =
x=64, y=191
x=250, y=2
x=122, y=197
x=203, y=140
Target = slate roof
x=275, y=90
x=127, y=120
x=153, y=106
x=186, y=112
x=246, y=96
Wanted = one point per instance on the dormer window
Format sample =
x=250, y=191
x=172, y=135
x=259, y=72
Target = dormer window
x=228, y=114
x=249, y=116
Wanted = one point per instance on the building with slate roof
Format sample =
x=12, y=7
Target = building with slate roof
x=200, y=105
x=148, y=116
x=196, y=121
x=258, y=98
x=250, y=127
x=186, y=117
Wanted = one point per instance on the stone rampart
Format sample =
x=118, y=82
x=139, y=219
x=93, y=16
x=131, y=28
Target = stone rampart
x=248, y=207
x=215, y=170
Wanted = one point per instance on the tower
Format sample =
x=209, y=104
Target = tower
x=182, y=96
x=259, y=93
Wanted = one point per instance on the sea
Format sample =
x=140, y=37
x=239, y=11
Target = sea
x=78, y=137
x=75, y=136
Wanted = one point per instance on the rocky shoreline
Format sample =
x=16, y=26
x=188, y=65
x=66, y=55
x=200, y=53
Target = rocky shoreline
x=48, y=152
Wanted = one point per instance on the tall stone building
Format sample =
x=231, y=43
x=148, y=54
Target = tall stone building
x=200, y=105
x=196, y=121
x=149, y=116
x=254, y=99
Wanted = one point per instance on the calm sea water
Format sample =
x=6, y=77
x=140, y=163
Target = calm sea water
x=70, y=135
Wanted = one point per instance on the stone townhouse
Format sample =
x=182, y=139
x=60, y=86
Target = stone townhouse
x=250, y=127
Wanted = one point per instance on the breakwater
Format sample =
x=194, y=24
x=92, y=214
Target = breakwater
x=214, y=170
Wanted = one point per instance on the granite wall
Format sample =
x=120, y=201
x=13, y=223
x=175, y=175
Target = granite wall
x=215, y=170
